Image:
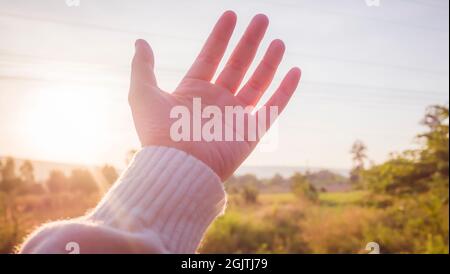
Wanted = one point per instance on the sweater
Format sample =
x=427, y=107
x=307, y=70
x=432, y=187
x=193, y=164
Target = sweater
x=162, y=203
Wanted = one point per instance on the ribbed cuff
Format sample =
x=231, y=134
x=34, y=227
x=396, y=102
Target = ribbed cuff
x=167, y=193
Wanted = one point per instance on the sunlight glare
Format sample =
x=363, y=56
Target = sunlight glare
x=67, y=123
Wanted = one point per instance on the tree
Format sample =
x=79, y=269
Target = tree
x=250, y=193
x=82, y=180
x=359, y=153
x=9, y=169
x=277, y=180
x=436, y=139
x=9, y=184
x=417, y=171
x=110, y=174
x=10, y=181
x=415, y=185
x=248, y=179
x=27, y=180
x=27, y=173
x=302, y=188
x=359, y=156
x=57, y=182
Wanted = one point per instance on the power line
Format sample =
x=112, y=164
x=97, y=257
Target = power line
x=427, y=4
x=196, y=40
x=326, y=100
x=172, y=71
x=366, y=89
x=356, y=16
x=362, y=98
x=94, y=26
x=115, y=29
x=375, y=88
x=373, y=64
x=315, y=56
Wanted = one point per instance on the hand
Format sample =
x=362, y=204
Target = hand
x=151, y=106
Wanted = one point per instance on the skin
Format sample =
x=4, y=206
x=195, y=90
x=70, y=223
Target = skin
x=151, y=106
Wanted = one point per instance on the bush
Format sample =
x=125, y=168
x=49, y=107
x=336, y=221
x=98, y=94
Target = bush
x=275, y=232
x=83, y=181
x=250, y=194
x=302, y=188
x=415, y=225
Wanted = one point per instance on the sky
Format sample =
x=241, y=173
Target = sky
x=368, y=73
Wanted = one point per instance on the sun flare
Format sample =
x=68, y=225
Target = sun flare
x=66, y=123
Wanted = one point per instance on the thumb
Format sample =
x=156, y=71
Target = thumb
x=142, y=71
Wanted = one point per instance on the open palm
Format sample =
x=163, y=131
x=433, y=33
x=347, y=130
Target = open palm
x=151, y=106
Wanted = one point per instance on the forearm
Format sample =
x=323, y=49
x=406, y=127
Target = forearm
x=163, y=203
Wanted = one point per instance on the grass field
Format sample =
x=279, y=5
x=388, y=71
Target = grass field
x=343, y=198
x=283, y=223
x=337, y=222
x=336, y=198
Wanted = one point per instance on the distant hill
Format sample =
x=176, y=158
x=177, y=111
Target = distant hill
x=266, y=172
x=321, y=179
x=331, y=180
x=43, y=168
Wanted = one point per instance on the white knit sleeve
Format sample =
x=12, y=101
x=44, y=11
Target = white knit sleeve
x=163, y=203
x=168, y=193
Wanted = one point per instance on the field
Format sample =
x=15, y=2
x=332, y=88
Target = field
x=274, y=223
x=282, y=223
x=338, y=222
x=402, y=205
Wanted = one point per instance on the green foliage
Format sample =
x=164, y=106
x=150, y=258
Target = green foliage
x=324, y=178
x=416, y=183
x=413, y=225
x=343, y=198
x=421, y=171
x=359, y=156
x=250, y=194
x=302, y=188
x=276, y=232
x=405, y=209
x=435, y=155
